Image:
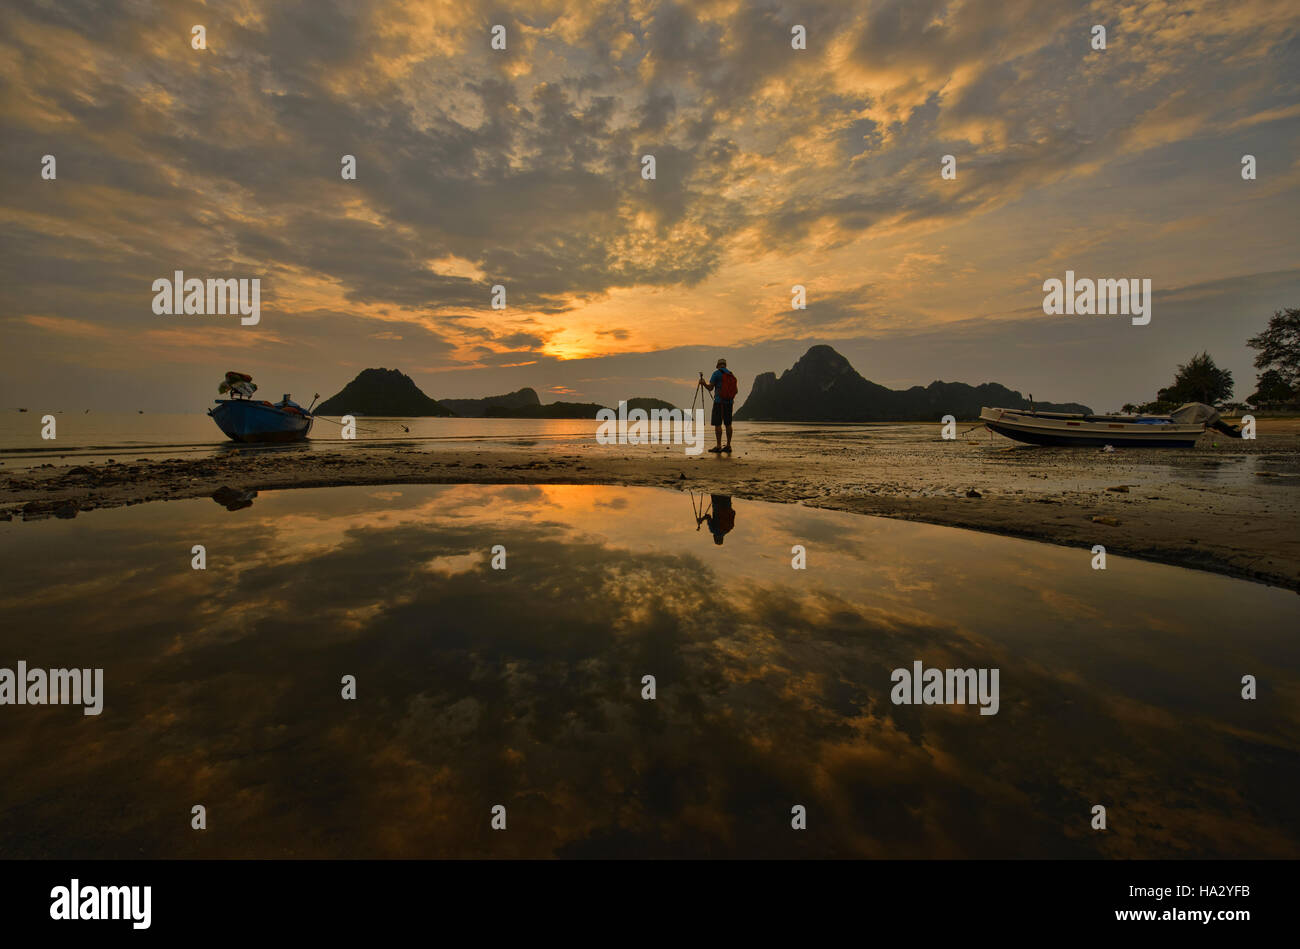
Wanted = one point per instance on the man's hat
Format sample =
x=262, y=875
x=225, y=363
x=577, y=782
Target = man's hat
x=722, y=362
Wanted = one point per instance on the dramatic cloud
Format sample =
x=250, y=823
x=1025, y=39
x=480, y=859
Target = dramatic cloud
x=522, y=167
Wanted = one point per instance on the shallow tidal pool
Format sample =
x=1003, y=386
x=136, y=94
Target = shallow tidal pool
x=523, y=687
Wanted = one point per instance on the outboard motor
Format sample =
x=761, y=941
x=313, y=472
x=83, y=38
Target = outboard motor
x=1207, y=415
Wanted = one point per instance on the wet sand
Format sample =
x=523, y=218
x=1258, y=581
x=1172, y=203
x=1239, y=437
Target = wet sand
x=1226, y=506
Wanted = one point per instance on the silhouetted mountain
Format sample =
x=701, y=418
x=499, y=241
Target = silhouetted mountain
x=386, y=392
x=648, y=404
x=553, y=410
x=823, y=387
x=478, y=408
x=567, y=409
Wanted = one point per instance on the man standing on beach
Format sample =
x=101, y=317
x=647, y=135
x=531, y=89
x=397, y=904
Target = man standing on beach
x=723, y=385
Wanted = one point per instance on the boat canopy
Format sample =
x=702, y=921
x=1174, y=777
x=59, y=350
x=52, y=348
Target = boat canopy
x=1195, y=413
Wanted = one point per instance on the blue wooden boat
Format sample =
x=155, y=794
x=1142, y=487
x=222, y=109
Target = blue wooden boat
x=246, y=419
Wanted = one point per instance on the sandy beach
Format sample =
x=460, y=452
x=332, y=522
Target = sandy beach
x=1230, y=507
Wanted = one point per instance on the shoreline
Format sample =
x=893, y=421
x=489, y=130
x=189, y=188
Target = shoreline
x=1247, y=526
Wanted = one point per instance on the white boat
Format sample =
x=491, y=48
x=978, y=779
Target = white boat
x=1179, y=429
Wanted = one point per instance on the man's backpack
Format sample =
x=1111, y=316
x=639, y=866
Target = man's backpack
x=728, y=386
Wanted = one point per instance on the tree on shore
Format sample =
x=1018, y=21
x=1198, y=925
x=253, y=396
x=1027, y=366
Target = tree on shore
x=1273, y=388
x=1279, y=355
x=1198, y=380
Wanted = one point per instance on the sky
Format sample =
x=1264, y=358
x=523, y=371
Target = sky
x=522, y=167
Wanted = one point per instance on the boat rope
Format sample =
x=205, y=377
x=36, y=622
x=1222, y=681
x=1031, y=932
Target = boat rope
x=373, y=431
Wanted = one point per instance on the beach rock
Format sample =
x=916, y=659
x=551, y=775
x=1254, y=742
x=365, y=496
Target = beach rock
x=1105, y=519
x=1120, y=488
x=972, y=493
x=233, y=499
x=37, y=510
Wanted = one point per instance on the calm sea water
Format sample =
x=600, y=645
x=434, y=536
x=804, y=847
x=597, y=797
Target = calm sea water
x=83, y=437
x=90, y=438
x=913, y=451
x=93, y=435
x=522, y=687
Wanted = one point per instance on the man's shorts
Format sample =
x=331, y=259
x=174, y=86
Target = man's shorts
x=721, y=413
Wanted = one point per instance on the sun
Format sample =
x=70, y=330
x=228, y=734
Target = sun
x=569, y=349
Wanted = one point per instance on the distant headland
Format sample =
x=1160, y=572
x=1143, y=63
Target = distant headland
x=820, y=387
x=823, y=387
x=392, y=393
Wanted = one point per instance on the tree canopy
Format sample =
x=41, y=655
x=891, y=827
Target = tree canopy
x=1198, y=380
x=1279, y=348
x=1273, y=387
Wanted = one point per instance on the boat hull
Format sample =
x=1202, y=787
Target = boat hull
x=244, y=420
x=1060, y=430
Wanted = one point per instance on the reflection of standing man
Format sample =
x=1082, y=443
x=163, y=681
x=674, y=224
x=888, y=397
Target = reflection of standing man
x=721, y=517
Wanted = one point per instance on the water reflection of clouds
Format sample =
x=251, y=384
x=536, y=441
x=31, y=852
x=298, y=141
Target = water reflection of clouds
x=522, y=687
